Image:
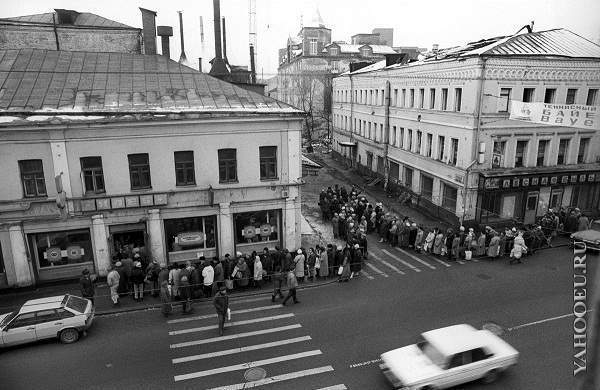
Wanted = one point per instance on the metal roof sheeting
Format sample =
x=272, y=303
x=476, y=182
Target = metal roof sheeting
x=83, y=19
x=37, y=80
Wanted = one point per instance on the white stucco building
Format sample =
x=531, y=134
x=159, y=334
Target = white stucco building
x=104, y=152
x=440, y=126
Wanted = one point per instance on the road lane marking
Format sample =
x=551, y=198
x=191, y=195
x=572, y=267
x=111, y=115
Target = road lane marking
x=336, y=387
x=376, y=270
x=235, y=336
x=460, y=262
x=367, y=363
x=247, y=300
x=542, y=321
x=275, y=379
x=244, y=366
x=186, y=319
x=393, y=267
x=240, y=349
x=442, y=262
x=409, y=265
x=415, y=258
x=230, y=324
x=363, y=272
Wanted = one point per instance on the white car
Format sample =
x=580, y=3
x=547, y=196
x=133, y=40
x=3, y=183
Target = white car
x=63, y=316
x=448, y=357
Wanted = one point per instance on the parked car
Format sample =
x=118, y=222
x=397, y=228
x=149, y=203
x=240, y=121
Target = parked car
x=590, y=237
x=448, y=357
x=63, y=316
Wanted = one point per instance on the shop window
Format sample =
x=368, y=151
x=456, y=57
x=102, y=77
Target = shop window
x=408, y=177
x=541, y=154
x=426, y=187
x=520, y=154
x=457, y=99
x=563, y=149
x=62, y=248
x=549, y=95
x=449, y=197
x=592, y=97
x=394, y=171
x=571, y=96
x=491, y=203
x=528, y=95
x=93, y=177
x=268, y=162
x=184, y=168
x=504, y=99
x=583, y=148
x=556, y=198
x=139, y=171
x=32, y=178
x=257, y=227
x=190, y=234
x=227, y=165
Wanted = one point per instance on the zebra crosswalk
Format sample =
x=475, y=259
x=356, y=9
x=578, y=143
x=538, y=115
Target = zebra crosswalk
x=267, y=338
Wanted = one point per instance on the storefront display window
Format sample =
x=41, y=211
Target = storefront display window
x=62, y=248
x=258, y=226
x=190, y=235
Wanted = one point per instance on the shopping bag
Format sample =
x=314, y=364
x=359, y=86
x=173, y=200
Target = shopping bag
x=228, y=314
x=341, y=270
x=229, y=284
x=468, y=255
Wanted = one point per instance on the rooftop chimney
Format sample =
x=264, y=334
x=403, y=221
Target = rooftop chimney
x=165, y=32
x=219, y=68
x=182, y=57
x=149, y=30
x=435, y=47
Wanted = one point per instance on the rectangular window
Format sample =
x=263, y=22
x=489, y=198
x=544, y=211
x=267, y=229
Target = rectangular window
x=428, y=145
x=393, y=136
x=257, y=228
x=395, y=102
x=421, y=97
x=93, y=177
x=426, y=186
x=449, y=195
x=58, y=248
x=498, y=154
x=382, y=97
x=444, y=98
x=313, y=47
x=401, y=138
x=412, y=97
x=563, y=150
x=583, y=148
x=381, y=133
x=408, y=177
x=592, y=97
x=409, y=143
x=184, y=168
x=404, y=97
x=139, y=171
x=268, y=162
x=419, y=139
x=541, y=154
x=521, y=153
x=453, y=151
x=185, y=237
x=504, y=99
x=528, y=95
x=571, y=96
x=369, y=133
x=432, y=98
x=549, y=95
x=457, y=99
x=32, y=178
x=227, y=165
x=376, y=102
x=441, y=142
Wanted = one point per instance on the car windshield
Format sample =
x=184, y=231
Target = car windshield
x=76, y=303
x=432, y=353
x=8, y=318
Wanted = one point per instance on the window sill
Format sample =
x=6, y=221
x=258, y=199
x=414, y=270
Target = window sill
x=91, y=194
x=142, y=189
x=228, y=181
x=269, y=179
x=185, y=185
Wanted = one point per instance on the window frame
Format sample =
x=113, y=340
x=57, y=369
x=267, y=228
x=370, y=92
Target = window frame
x=93, y=173
x=523, y=153
x=186, y=166
x=582, y=154
x=444, y=105
x=592, y=97
x=573, y=98
x=549, y=95
x=441, y=147
x=453, y=160
x=505, y=105
x=457, y=99
x=565, y=155
x=545, y=143
x=267, y=162
x=140, y=169
x=37, y=178
x=227, y=164
x=528, y=95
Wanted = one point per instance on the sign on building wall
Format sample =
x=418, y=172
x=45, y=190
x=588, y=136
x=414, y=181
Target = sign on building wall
x=567, y=115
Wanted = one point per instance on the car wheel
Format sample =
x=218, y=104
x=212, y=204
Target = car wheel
x=490, y=376
x=69, y=336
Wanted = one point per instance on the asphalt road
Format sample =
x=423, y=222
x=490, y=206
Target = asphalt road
x=332, y=339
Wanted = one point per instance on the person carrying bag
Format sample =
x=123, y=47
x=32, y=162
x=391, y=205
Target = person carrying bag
x=221, y=303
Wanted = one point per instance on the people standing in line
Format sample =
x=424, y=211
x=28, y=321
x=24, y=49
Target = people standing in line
x=277, y=281
x=266, y=260
x=311, y=263
x=221, y=303
x=519, y=248
x=494, y=248
x=292, y=284
x=174, y=281
x=219, y=275
x=165, y=298
x=152, y=272
x=208, y=278
x=112, y=280
x=86, y=283
x=137, y=279
x=324, y=262
x=185, y=290
x=355, y=261
x=258, y=271
x=438, y=243
x=299, y=265
x=241, y=273
x=123, y=279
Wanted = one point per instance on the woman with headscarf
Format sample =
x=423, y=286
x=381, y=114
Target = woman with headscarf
x=299, y=265
x=345, y=265
x=241, y=273
x=429, y=237
x=519, y=248
x=438, y=242
x=480, y=251
x=455, y=248
x=355, y=262
x=494, y=248
x=324, y=262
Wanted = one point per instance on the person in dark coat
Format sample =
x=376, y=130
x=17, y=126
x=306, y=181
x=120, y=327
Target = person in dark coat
x=185, y=290
x=137, y=279
x=355, y=262
x=86, y=283
x=123, y=288
x=266, y=259
x=165, y=296
x=331, y=259
x=221, y=303
x=152, y=272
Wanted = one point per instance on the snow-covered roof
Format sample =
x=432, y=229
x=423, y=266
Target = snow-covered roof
x=355, y=49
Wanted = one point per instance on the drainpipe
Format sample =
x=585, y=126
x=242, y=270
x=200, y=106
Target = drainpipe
x=353, y=151
x=386, y=135
x=464, y=197
x=475, y=148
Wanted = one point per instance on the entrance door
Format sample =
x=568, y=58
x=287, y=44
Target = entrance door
x=126, y=237
x=531, y=207
x=370, y=161
x=556, y=198
x=380, y=168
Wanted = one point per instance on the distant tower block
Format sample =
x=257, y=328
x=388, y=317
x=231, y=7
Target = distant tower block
x=165, y=32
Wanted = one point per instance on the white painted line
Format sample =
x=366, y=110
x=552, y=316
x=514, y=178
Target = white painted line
x=442, y=262
x=247, y=365
x=474, y=260
x=275, y=379
x=186, y=319
x=363, y=272
x=241, y=349
x=393, y=267
x=409, y=265
x=230, y=324
x=461, y=262
x=248, y=300
x=376, y=270
x=542, y=321
x=415, y=258
x=235, y=336
x=336, y=387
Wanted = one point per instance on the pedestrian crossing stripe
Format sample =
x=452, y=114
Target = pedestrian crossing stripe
x=415, y=258
x=247, y=365
x=440, y=261
x=275, y=379
x=409, y=265
x=336, y=387
x=230, y=324
x=241, y=349
x=376, y=270
x=204, y=317
x=363, y=272
x=234, y=336
x=393, y=267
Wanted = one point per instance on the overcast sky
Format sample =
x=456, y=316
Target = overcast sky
x=415, y=23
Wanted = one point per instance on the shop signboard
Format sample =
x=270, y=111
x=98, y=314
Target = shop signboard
x=566, y=115
x=493, y=183
x=188, y=239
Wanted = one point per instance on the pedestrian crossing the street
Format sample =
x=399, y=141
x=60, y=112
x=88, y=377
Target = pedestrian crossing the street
x=266, y=338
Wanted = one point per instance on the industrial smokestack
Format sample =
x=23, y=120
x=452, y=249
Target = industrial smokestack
x=200, y=64
x=225, y=42
x=252, y=66
x=165, y=32
x=219, y=68
x=149, y=30
x=182, y=57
